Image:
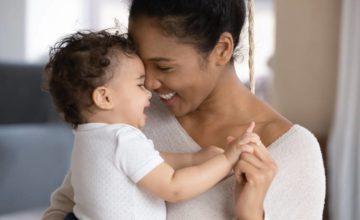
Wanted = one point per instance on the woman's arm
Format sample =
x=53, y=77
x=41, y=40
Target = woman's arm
x=61, y=201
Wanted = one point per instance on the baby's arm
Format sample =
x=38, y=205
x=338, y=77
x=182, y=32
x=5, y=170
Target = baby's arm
x=181, y=160
x=176, y=185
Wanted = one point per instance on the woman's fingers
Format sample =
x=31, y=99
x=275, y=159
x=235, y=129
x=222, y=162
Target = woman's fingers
x=255, y=170
x=261, y=154
x=252, y=159
x=245, y=172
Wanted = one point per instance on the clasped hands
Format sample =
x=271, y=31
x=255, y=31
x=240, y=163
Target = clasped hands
x=254, y=170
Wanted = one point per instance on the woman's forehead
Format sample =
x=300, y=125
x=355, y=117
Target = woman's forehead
x=152, y=44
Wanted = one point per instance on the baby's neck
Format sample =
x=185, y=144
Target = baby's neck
x=102, y=117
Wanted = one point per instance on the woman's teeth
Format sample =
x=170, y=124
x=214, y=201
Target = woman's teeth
x=167, y=96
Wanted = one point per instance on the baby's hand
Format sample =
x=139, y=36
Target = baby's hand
x=205, y=154
x=242, y=144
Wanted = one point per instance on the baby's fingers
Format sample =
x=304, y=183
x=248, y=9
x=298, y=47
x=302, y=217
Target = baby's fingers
x=249, y=138
x=230, y=139
x=251, y=127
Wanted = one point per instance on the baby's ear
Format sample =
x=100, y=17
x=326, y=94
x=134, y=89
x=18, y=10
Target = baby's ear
x=102, y=98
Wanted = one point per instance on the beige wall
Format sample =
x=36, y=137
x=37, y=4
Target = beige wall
x=305, y=61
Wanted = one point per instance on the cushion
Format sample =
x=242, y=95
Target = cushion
x=22, y=95
x=34, y=159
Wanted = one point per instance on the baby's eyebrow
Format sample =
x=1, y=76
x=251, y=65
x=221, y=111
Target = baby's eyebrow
x=142, y=76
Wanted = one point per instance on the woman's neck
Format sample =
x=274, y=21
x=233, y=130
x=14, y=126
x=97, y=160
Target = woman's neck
x=229, y=97
x=228, y=110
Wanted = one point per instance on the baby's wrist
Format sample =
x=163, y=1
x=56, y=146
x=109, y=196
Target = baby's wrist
x=231, y=160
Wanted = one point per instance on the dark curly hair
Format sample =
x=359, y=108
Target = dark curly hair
x=78, y=64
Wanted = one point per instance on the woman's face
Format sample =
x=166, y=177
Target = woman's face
x=174, y=70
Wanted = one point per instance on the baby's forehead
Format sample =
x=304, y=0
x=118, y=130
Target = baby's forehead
x=119, y=54
x=123, y=63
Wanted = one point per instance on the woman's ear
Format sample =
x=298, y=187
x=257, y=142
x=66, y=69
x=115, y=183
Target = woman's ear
x=102, y=98
x=223, y=49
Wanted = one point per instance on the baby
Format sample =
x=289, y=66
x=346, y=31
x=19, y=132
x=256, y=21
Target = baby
x=96, y=81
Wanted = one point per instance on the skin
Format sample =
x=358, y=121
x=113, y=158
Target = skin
x=212, y=105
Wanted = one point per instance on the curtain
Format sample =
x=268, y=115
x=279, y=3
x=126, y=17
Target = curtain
x=344, y=141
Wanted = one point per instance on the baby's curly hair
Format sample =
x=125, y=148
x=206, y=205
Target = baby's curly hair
x=78, y=64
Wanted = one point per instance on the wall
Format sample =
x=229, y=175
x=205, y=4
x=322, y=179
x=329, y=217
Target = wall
x=305, y=61
x=30, y=27
x=12, y=30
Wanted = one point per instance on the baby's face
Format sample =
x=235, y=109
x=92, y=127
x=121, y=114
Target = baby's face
x=129, y=94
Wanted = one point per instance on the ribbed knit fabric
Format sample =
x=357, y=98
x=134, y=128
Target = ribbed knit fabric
x=107, y=162
x=297, y=192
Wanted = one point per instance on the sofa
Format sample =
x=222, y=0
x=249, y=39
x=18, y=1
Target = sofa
x=35, y=145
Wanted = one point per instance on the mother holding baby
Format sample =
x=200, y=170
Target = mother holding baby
x=188, y=47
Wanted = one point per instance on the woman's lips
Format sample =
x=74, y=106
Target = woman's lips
x=168, y=98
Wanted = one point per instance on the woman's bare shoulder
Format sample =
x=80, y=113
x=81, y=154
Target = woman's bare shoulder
x=273, y=129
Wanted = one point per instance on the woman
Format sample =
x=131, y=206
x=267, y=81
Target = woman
x=188, y=51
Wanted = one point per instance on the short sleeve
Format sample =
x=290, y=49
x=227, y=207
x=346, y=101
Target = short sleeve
x=135, y=154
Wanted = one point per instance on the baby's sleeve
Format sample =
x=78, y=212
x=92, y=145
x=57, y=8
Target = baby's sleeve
x=135, y=154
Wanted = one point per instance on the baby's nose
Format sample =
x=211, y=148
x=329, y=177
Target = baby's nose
x=149, y=93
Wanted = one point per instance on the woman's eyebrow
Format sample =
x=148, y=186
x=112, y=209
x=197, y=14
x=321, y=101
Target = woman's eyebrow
x=157, y=59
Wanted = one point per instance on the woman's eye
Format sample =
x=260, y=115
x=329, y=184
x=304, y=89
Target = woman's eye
x=165, y=69
x=142, y=86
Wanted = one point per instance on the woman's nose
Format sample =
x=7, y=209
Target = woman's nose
x=151, y=81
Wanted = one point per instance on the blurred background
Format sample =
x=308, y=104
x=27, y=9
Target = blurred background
x=307, y=67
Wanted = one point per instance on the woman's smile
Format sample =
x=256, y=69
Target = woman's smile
x=168, y=99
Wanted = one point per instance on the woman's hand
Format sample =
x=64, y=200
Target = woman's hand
x=254, y=173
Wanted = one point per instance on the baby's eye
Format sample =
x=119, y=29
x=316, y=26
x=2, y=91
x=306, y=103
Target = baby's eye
x=142, y=86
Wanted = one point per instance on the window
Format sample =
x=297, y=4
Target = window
x=44, y=22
